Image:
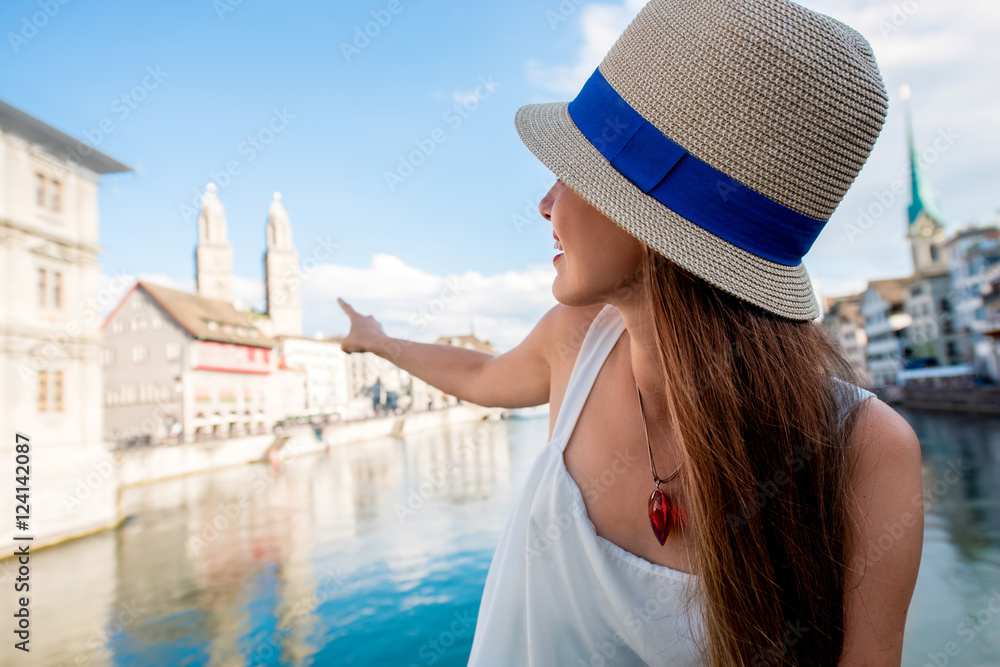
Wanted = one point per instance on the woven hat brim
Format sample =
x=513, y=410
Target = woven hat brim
x=549, y=132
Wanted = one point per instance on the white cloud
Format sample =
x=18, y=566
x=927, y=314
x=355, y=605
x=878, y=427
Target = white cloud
x=466, y=97
x=408, y=302
x=420, y=306
x=600, y=25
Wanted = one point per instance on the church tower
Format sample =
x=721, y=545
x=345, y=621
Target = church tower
x=281, y=273
x=926, y=228
x=214, y=256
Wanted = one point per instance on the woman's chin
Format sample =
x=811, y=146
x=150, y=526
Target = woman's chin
x=568, y=297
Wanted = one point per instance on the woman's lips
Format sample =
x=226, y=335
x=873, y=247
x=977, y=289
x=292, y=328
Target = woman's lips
x=556, y=258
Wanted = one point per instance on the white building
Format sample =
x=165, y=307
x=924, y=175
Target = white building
x=932, y=334
x=183, y=367
x=844, y=323
x=325, y=369
x=974, y=253
x=886, y=320
x=50, y=344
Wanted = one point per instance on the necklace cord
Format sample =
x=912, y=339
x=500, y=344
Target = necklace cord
x=652, y=469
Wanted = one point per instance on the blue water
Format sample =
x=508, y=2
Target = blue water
x=377, y=553
x=372, y=554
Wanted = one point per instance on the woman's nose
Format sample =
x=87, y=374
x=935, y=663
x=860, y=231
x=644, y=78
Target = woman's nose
x=545, y=206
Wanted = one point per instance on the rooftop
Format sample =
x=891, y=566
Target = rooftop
x=205, y=319
x=59, y=144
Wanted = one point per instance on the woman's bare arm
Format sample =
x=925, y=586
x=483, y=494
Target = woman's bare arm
x=518, y=378
x=887, y=528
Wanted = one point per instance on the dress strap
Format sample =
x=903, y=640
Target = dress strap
x=848, y=395
x=600, y=339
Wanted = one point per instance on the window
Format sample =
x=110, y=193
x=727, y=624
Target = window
x=118, y=326
x=57, y=391
x=55, y=196
x=140, y=353
x=934, y=253
x=141, y=324
x=48, y=192
x=157, y=321
x=107, y=356
x=42, y=286
x=173, y=351
x=57, y=289
x=40, y=189
x=43, y=391
x=138, y=301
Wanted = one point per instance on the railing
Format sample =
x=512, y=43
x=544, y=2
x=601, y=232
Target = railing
x=963, y=396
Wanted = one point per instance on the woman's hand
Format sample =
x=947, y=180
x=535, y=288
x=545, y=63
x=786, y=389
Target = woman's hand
x=366, y=333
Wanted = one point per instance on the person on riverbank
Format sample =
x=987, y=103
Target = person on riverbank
x=780, y=520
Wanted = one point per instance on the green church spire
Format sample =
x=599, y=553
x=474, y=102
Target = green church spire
x=922, y=199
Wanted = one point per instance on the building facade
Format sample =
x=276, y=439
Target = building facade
x=845, y=325
x=325, y=369
x=931, y=337
x=50, y=345
x=180, y=367
x=886, y=321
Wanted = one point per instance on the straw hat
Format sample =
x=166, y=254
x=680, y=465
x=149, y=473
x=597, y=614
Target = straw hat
x=723, y=134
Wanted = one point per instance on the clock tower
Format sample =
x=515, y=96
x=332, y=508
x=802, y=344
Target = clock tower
x=281, y=273
x=926, y=227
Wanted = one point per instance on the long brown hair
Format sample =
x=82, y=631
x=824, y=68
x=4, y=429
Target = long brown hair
x=765, y=476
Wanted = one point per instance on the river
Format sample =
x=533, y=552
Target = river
x=376, y=554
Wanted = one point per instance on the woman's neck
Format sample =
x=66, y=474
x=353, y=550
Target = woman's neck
x=640, y=345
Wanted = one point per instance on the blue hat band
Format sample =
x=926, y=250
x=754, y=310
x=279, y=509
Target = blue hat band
x=688, y=186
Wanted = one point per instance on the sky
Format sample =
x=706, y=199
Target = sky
x=294, y=97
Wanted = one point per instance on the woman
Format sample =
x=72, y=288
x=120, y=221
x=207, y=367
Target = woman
x=780, y=520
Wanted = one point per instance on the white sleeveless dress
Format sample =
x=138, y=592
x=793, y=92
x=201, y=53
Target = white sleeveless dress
x=559, y=594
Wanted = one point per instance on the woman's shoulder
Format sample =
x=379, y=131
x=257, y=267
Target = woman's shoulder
x=566, y=329
x=880, y=430
x=886, y=532
x=571, y=323
x=882, y=444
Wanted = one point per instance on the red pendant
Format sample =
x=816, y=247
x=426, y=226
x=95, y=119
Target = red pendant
x=661, y=515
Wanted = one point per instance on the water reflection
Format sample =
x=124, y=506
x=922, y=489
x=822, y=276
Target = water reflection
x=955, y=616
x=376, y=554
